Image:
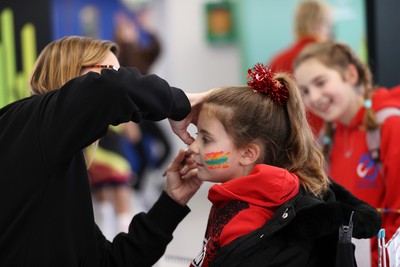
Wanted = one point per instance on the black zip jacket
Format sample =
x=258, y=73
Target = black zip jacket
x=303, y=232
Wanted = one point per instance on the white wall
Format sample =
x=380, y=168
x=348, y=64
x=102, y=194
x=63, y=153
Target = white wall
x=188, y=60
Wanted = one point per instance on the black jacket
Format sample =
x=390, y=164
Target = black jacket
x=303, y=232
x=45, y=199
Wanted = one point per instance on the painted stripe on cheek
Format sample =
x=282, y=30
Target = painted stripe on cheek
x=216, y=160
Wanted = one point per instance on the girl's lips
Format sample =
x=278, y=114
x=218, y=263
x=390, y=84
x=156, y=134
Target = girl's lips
x=324, y=108
x=320, y=109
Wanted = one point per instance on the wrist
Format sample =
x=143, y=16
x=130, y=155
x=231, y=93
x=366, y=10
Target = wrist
x=180, y=199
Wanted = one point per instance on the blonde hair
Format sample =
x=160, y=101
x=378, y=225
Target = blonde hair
x=63, y=59
x=309, y=15
x=339, y=56
x=282, y=132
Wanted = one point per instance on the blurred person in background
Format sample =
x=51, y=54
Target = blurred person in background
x=312, y=23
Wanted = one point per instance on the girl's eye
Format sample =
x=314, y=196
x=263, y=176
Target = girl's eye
x=203, y=137
x=304, y=91
x=205, y=140
x=320, y=83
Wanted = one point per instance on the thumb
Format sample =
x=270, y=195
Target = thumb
x=186, y=137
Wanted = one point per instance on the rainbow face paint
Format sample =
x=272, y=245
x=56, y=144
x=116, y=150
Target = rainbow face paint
x=216, y=160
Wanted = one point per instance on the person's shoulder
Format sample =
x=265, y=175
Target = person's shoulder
x=282, y=61
x=385, y=97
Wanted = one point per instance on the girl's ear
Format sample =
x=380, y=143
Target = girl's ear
x=249, y=154
x=352, y=74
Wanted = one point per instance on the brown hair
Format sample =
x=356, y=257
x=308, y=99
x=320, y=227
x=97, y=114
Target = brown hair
x=339, y=56
x=282, y=132
x=63, y=59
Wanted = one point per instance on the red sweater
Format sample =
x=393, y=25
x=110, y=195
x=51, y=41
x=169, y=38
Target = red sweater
x=283, y=61
x=351, y=166
x=244, y=204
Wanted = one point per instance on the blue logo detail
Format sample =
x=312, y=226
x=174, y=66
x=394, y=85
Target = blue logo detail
x=367, y=167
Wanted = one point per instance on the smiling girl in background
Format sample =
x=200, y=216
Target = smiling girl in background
x=337, y=87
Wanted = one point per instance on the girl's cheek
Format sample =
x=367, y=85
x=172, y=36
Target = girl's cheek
x=216, y=160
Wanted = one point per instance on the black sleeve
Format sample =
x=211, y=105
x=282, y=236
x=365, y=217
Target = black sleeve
x=73, y=117
x=148, y=236
x=367, y=220
x=324, y=218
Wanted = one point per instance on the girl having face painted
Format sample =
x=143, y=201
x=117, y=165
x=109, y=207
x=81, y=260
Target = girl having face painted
x=255, y=143
x=337, y=87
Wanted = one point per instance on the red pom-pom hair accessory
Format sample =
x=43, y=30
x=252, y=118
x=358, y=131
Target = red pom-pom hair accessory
x=263, y=81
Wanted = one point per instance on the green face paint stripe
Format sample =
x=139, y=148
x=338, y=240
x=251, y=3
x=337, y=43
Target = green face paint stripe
x=217, y=159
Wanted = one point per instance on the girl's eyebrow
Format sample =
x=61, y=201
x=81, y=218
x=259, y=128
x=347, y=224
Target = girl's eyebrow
x=316, y=78
x=203, y=131
x=313, y=80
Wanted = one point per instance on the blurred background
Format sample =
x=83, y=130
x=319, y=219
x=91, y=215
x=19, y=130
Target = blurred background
x=203, y=44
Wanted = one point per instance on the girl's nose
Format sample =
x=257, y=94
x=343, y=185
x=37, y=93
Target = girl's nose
x=314, y=95
x=193, y=148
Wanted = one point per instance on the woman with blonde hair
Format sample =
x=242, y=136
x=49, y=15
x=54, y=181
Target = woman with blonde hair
x=78, y=91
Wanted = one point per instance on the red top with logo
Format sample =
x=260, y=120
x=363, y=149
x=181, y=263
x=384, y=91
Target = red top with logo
x=352, y=166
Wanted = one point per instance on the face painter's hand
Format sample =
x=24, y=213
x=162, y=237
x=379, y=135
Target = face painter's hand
x=180, y=127
x=182, y=182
